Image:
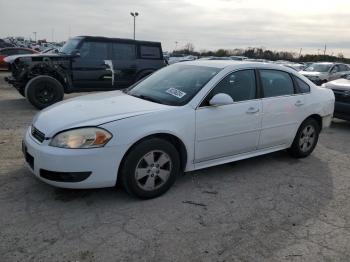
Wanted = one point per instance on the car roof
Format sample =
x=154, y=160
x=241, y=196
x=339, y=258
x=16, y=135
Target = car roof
x=236, y=64
x=110, y=39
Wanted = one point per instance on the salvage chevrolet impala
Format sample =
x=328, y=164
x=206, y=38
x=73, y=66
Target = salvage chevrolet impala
x=184, y=117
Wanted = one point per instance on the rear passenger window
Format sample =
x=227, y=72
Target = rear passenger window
x=276, y=83
x=303, y=87
x=124, y=51
x=239, y=85
x=150, y=52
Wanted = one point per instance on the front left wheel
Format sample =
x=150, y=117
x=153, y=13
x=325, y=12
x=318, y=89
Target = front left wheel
x=150, y=168
x=43, y=91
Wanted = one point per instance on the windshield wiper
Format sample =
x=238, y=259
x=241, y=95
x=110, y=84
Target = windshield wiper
x=148, y=98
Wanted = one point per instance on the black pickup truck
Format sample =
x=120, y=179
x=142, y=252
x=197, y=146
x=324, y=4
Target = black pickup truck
x=84, y=63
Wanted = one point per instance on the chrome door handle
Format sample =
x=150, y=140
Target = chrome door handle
x=299, y=103
x=252, y=110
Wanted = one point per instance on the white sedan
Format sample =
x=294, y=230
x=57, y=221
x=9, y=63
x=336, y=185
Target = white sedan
x=184, y=117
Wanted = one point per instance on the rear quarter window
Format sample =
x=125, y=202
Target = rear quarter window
x=151, y=52
x=301, y=85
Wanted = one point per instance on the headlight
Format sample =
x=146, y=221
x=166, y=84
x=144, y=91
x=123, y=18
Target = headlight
x=87, y=137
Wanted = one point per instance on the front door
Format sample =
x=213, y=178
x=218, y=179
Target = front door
x=90, y=70
x=229, y=129
x=124, y=64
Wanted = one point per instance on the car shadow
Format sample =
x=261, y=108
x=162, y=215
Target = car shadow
x=227, y=209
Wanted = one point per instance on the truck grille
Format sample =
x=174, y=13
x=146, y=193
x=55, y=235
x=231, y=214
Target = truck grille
x=40, y=136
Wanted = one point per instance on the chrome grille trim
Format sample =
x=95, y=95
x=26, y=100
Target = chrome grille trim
x=37, y=134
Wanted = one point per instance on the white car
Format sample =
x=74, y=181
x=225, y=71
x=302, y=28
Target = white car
x=184, y=117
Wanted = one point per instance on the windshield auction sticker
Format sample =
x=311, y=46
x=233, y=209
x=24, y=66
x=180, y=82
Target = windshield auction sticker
x=176, y=92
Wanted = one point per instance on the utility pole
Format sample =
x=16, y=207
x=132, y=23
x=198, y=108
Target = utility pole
x=134, y=14
x=52, y=34
x=34, y=36
x=301, y=49
x=325, y=49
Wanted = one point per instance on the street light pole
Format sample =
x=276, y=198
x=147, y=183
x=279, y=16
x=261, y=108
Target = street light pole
x=34, y=36
x=134, y=14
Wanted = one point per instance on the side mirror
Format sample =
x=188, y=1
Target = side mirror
x=221, y=99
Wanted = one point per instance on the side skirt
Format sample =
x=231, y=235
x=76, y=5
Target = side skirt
x=224, y=160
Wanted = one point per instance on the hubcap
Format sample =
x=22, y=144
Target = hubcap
x=44, y=93
x=307, y=138
x=153, y=170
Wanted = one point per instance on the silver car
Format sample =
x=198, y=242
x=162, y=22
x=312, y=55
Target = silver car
x=322, y=72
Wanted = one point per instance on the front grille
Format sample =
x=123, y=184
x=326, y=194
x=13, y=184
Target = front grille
x=40, y=136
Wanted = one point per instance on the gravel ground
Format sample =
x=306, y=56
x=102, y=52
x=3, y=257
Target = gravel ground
x=269, y=208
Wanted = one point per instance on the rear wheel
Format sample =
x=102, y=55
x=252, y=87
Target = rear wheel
x=306, y=139
x=43, y=91
x=150, y=169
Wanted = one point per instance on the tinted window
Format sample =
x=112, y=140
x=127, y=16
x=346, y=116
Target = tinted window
x=303, y=87
x=335, y=69
x=150, y=52
x=174, y=85
x=24, y=52
x=276, y=83
x=239, y=85
x=124, y=51
x=9, y=52
x=94, y=50
x=343, y=68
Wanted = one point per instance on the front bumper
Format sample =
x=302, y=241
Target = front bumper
x=72, y=168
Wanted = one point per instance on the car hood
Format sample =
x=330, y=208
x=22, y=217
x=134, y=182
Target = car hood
x=12, y=58
x=339, y=84
x=92, y=110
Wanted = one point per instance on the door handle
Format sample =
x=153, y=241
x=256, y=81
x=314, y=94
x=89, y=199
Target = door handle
x=252, y=110
x=299, y=103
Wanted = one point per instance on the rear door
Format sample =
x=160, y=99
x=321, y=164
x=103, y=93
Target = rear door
x=89, y=69
x=124, y=64
x=283, y=108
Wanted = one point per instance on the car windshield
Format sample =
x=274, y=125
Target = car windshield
x=70, y=46
x=318, y=67
x=174, y=85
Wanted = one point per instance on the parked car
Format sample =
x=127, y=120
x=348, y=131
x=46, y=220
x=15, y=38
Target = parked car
x=295, y=66
x=84, y=63
x=341, y=89
x=184, y=117
x=238, y=57
x=321, y=73
x=5, y=52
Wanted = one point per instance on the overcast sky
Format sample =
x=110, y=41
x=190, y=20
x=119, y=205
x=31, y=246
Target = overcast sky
x=274, y=24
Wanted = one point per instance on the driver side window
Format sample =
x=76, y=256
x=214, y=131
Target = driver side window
x=240, y=86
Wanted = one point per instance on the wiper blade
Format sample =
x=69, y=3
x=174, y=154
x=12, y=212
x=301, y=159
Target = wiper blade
x=148, y=98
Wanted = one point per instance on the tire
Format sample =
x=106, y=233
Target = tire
x=306, y=139
x=43, y=91
x=150, y=168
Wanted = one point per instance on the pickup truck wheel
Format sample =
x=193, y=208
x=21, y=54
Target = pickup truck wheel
x=150, y=168
x=306, y=139
x=43, y=91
